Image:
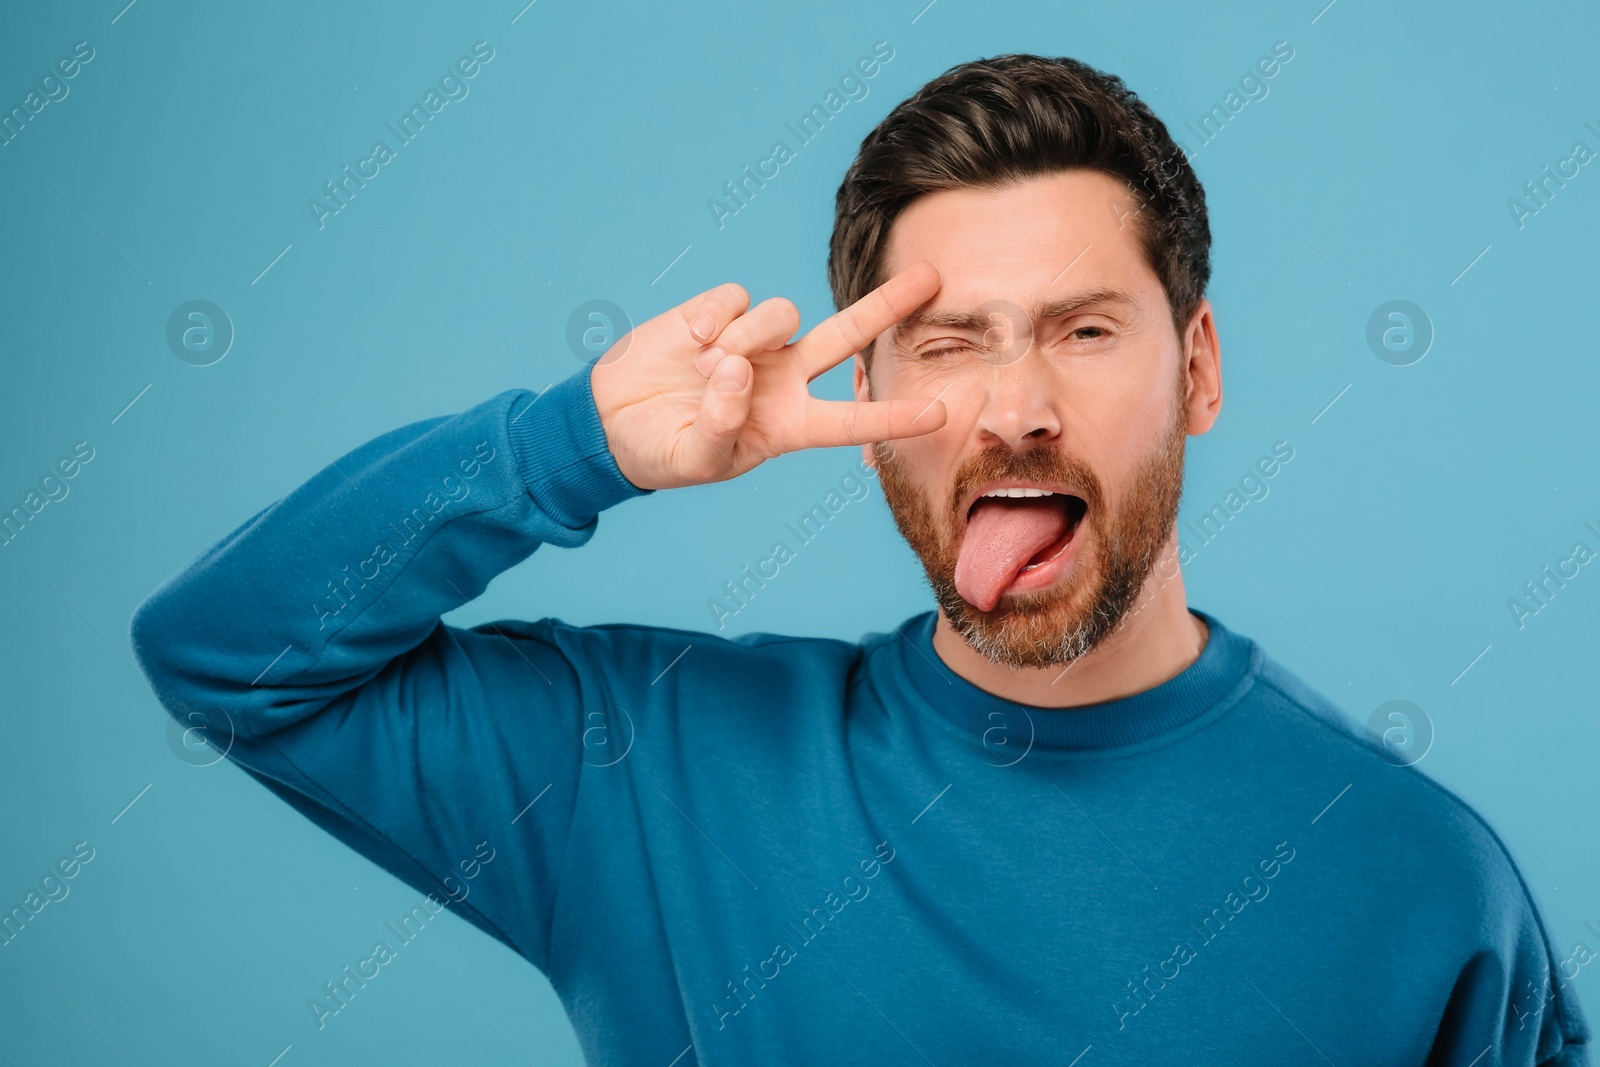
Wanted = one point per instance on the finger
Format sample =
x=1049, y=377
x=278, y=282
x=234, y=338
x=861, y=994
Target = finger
x=858, y=422
x=724, y=407
x=847, y=332
x=709, y=313
x=768, y=325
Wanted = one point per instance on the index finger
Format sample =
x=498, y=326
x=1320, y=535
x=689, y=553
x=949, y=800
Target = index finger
x=843, y=334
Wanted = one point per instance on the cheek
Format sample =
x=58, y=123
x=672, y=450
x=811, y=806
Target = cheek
x=920, y=461
x=963, y=390
x=1109, y=413
x=923, y=382
x=1119, y=417
x=914, y=473
x=1141, y=410
x=937, y=454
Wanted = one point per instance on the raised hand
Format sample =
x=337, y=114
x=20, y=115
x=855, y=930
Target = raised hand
x=708, y=390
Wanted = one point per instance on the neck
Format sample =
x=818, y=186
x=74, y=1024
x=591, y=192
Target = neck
x=1156, y=641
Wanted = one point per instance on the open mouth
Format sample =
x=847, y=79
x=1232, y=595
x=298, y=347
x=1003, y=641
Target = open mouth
x=1014, y=531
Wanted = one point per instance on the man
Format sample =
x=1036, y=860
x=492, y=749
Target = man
x=1062, y=819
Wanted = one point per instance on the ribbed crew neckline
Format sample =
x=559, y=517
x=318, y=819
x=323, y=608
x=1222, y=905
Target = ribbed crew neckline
x=1005, y=726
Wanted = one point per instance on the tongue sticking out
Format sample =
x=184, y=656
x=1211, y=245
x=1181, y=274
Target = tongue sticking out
x=1002, y=536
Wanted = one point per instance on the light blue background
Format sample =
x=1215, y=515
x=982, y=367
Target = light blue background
x=1378, y=167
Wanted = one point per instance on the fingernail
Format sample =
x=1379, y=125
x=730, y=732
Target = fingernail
x=702, y=326
x=730, y=380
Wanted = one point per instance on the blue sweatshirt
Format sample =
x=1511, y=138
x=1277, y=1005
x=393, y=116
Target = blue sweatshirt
x=775, y=849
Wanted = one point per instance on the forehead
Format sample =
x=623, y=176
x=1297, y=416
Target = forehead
x=1044, y=237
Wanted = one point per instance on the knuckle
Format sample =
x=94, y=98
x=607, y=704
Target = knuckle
x=735, y=338
x=785, y=311
x=850, y=329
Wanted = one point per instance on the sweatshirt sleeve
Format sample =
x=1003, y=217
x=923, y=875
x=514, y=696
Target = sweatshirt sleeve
x=307, y=646
x=1511, y=1002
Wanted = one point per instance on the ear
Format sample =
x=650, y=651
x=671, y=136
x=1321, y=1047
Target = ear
x=863, y=392
x=1202, y=355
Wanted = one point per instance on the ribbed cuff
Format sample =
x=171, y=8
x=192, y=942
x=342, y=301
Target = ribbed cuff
x=561, y=452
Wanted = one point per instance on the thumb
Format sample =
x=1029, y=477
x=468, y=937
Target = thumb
x=725, y=404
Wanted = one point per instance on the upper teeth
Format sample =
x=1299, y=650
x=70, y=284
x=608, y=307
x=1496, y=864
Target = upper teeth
x=1019, y=492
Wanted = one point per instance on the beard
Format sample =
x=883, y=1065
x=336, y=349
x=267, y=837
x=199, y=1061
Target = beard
x=1057, y=625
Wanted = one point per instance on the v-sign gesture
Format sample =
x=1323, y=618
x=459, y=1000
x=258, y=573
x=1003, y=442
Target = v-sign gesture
x=708, y=390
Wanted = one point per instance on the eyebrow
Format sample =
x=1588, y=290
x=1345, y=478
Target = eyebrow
x=976, y=321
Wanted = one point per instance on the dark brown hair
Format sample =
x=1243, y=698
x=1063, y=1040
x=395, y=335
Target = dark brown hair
x=998, y=121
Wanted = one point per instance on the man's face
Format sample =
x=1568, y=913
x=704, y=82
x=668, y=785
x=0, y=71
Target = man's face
x=1051, y=345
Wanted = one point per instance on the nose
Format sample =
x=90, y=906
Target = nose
x=1020, y=408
